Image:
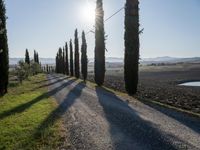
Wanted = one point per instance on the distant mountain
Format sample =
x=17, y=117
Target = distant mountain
x=165, y=59
x=162, y=59
x=109, y=60
x=170, y=60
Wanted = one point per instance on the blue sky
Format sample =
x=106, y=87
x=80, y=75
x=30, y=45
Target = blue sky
x=171, y=27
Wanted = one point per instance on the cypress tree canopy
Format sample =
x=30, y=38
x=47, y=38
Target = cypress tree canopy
x=66, y=58
x=99, y=44
x=84, y=59
x=27, y=58
x=131, y=46
x=71, y=59
x=76, y=57
x=4, y=62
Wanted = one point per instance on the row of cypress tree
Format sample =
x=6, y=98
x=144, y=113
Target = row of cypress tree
x=70, y=65
x=131, y=38
x=4, y=61
x=35, y=57
x=131, y=41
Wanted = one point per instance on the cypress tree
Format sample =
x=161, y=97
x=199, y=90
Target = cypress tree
x=131, y=46
x=66, y=59
x=47, y=67
x=60, y=60
x=71, y=59
x=76, y=56
x=84, y=59
x=57, y=62
x=63, y=62
x=4, y=62
x=99, y=44
x=35, y=56
x=27, y=58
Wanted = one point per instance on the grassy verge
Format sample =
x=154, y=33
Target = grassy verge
x=26, y=118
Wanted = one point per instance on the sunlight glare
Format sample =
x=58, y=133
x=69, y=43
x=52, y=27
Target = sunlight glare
x=88, y=12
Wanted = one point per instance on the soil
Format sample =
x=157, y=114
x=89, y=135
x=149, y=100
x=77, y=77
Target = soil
x=162, y=86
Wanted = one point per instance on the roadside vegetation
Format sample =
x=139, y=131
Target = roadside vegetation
x=23, y=117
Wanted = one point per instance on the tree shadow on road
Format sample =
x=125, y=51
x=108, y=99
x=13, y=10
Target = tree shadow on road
x=125, y=119
x=50, y=78
x=191, y=122
x=64, y=105
x=51, y=83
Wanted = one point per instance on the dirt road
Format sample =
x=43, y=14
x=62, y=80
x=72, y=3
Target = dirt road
x=96, y=119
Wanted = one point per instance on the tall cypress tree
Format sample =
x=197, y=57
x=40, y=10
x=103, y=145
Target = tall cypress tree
x=27, y=58
x=131, y=45
x=84, y=59
x=57, y=63
x=35, y=56
x=71, y=59
x=4, y=62
x=76, y=55
x=60, y=60
x=99, y=44
x=66, y=59
x=63, y=62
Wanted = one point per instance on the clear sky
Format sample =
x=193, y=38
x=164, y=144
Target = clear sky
x=171, y=27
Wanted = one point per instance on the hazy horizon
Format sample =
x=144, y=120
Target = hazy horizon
x=114, y=57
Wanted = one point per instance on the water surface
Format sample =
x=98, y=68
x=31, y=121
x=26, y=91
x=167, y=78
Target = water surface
x=196, y=83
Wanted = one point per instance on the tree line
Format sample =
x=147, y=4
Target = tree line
x=131, y=54
x=67, y=60
x=63, y=65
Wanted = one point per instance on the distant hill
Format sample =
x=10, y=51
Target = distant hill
x=170, y=60
x=156, y=60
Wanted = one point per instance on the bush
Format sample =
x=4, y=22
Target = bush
x=24, y=70
x=35, y=68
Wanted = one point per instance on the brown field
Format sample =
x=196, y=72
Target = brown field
x=160, y=83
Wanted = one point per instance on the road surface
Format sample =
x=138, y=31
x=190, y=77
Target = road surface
x=96, y=119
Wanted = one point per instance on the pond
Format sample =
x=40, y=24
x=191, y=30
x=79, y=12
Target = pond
x=195, y=83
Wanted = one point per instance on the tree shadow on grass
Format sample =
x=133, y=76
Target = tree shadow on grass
x=23, y=107
x=128, y=130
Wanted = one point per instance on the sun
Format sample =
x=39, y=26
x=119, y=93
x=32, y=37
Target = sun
x=88, y=12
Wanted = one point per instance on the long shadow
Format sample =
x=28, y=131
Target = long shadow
x=125, y=119
x=25, y=106
x=49, y=84
x=67, y=102
x=50, y=78
x=191, y=122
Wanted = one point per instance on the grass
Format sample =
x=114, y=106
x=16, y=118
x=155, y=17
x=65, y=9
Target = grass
x=22, y=113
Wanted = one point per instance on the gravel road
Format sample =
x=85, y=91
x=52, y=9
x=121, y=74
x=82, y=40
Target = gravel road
x=96, y=119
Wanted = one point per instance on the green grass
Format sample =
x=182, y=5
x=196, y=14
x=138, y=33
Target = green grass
x=27, y=117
